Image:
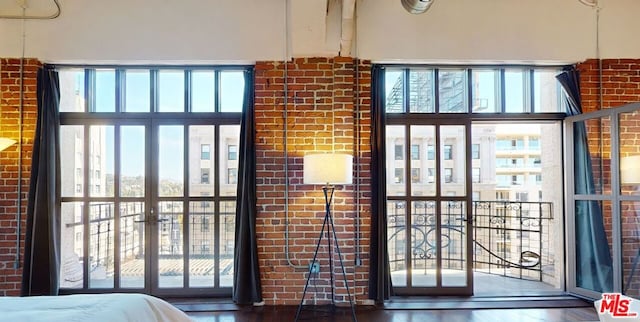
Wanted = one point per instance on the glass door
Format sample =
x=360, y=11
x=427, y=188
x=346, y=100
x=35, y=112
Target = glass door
x=194, y=179
x=428, y=208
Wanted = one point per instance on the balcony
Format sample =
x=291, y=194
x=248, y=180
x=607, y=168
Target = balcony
x=513, y=246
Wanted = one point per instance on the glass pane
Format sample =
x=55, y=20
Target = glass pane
x=421, y=91
x=171, y=91
x=423, y=174
x=201, y=244
x=593, y=245
x=229, y=137
x=101, y=158
x=629, y=132
x=546, y=91
x=71, y=90
x=486, y=91
x=397, y=241
x=630, y=212
x=227, y=242
x=72, y=245
x=132, y=161
x=201, y=170
x=452, y=88
x=132, y=242
x=231, y=91
x=72, y=160
x=395, y=160
x=203, y=89
x=452, y=160
x=170, y=239
x=453, y=243
x=170, y=160
x=423, y=244
x=101, y=244
x=516, y=167
x=514, y=91
x=137, y=91
x=588, y=139
x=394, y=90
x=105, y=90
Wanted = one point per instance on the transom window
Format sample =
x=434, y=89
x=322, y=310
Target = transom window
x=149, y=174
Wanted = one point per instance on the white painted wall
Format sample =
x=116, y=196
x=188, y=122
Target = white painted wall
x=230, y=31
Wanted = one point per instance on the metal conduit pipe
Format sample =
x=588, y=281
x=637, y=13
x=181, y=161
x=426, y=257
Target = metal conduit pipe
x=285, y=137
x=16, y=265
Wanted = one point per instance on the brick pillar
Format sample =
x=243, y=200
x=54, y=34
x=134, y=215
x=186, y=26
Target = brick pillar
x=323, y=114
x=10, y=275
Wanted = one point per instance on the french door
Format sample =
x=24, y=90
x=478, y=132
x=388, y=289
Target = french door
x=428, y=184
x=160, y=203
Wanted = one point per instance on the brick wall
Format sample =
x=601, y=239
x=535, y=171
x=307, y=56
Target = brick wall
x=322, y=115
x=10, y=276
x=620, y=86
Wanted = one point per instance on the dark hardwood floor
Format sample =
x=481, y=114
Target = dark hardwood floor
x=372, y=314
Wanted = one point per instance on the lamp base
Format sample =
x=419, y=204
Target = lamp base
x=331, y=230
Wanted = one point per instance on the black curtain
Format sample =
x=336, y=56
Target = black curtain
x=42, y=245
x=593, y=259
x=379, y=270
x=246, y=273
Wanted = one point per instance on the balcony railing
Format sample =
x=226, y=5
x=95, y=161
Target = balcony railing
x=510, y=238
x=102, y=235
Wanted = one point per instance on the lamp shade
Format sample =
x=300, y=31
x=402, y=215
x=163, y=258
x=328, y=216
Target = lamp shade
x=630, y=169
x=328, y=168
x=5, y=143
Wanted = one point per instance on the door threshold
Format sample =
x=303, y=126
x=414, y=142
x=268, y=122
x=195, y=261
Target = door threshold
x=475, y=302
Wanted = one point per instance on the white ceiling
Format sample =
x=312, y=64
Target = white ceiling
x=232, y=31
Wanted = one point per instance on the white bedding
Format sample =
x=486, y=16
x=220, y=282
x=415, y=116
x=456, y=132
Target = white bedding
x=90, y=308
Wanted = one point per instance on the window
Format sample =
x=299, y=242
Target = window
x=399, y=152
x=448, y=153
x=534, y=144
x=232, y=176
x=448, y=175
x=475, y=196
x=475, y=151
x=502, y=195
x=399, y=175
x=431, y=153
x=232, y=152
x=205, y=224
x=204, y=175
x=173, y=158
x=517, y=180
x=205, y=152
x=475, y=175
x=522, y=196
x=431, y=175
x=415, y=175
x=415, y=152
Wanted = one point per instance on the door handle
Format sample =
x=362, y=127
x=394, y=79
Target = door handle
x=151, y=219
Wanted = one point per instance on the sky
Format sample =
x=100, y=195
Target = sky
x=137, y=99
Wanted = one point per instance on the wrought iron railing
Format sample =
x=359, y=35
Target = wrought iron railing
x=102, y=233
x=510, y=238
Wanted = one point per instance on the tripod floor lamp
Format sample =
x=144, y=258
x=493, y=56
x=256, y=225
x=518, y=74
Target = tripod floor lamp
x=328, y=169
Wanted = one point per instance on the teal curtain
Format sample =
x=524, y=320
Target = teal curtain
x=593, y=259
